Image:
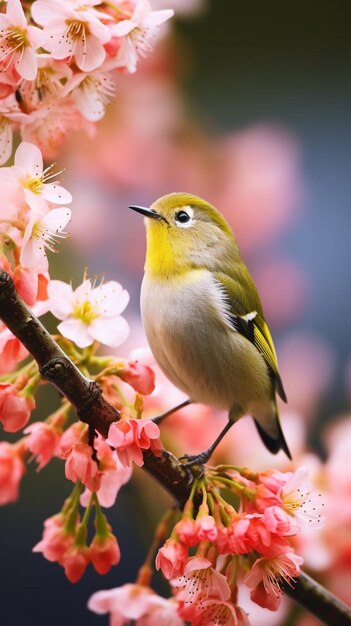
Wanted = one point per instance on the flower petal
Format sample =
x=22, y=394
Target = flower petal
x=29, y=157
x=45, y=12
x=27, y=65
x=83, y=291
x=91, y=56
x=56, y=194
x=109, y=331
x=33, y=255
x=111, y=298
x=155, y=18
x=57, y=219
x=16, y=14
x=76, y=331
x=123, y=28
x=61, y=298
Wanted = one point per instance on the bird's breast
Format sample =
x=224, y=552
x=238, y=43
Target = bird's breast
x=187, y=325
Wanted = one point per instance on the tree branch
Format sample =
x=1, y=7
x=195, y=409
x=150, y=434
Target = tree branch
x=92, y=408
x=84, y=394
x=319, y=601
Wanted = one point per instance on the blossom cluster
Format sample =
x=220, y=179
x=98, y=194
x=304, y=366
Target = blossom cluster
x=101, y=469
x=33, y=221
x=59, y=60
x=215, y=546
x=98, y=471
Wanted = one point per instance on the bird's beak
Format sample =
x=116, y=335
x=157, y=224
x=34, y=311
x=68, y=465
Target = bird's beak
x=147, y=212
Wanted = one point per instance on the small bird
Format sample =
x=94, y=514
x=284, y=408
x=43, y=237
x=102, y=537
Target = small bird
x=203, y=317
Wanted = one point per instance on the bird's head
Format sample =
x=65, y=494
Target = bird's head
x=185, y=232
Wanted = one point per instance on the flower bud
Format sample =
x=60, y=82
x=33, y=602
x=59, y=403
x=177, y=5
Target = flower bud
x=140, y=377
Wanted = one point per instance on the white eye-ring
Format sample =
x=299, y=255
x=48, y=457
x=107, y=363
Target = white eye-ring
x=184, y=217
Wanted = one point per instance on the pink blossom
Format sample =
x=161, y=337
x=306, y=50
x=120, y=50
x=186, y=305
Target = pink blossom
x=165, y=613
x=12, y=351
x=213, y=612
x=285, y=565
x=48, y=84
x=149, y=436
x=135, y=603
x=267, y=599
x=190, y=531
x=273, y=481
x=18, y=41
x=56, y=539
x=301, y=501
x=111, y=483
x=43, y=441
x=74, y=434
x=91, y=92
x=90, y=313
x=15, y=409
x=294, y=493
x=113, y=474
x=49, y=125
x=75, y=561
x=58, y=544
x=36, y=182
x=201, y=581
x=187, y=531
x=140, y=377
x=171, y=558
x=12, y=469
x=139, y=33
x=248, y=532
x=73, y=30
x=81, y=466
x=26, y=282
x=30, y=285
x=278, y=521
x=42, y=232
x=206, y=528
x=104, y=552
x=130, y=437
x=107, y=457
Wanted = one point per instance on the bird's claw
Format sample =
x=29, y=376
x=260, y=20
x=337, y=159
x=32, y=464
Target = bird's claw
x=192, y=460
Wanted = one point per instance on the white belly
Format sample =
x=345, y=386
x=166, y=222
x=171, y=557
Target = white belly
x=196, y=347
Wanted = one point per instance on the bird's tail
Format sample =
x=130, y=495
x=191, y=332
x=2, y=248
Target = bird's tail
x=274, y=441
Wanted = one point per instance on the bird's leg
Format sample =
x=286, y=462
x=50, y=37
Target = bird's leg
x=163, y=416
x=203, y=457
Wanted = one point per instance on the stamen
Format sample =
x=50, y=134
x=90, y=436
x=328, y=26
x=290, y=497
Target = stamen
x=14, y=39
x=48, y=238
x=75, y=29
x=35, y=183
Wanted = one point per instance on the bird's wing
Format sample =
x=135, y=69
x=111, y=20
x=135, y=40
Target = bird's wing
x=246, y=317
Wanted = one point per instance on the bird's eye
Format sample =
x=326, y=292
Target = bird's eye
x=182, y=217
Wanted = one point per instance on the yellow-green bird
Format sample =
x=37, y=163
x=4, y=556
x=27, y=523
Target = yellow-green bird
x=203, y=316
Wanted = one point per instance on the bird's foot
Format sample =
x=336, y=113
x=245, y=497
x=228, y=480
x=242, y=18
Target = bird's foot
x=190, y=460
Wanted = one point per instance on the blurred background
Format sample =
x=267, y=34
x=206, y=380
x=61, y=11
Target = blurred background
x=247, y=105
